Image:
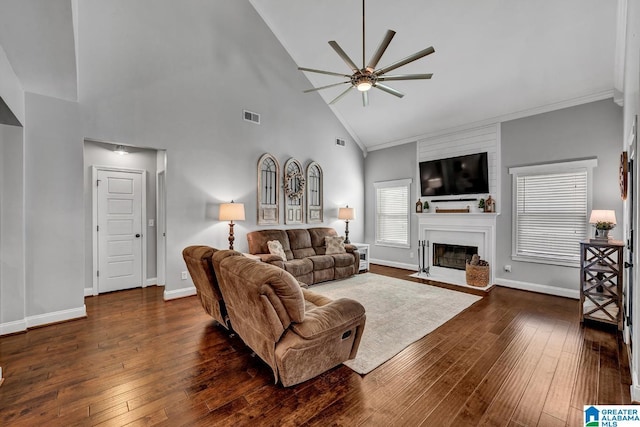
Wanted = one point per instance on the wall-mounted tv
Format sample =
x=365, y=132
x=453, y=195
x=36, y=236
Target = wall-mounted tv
x=455, y=175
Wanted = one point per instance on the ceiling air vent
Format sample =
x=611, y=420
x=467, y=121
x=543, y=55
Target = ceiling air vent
x=340, y=142
x=251, y=117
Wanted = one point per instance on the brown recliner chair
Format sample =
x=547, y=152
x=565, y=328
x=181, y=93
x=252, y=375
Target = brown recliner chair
x=199, y=260
x=298, y=333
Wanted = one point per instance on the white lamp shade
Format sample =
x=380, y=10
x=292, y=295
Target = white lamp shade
x=602, y=216
x=232, y=212
x=347, y=214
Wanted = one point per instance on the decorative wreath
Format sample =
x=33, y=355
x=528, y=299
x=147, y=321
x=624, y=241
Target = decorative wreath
x=623, y=175
x=290, y=190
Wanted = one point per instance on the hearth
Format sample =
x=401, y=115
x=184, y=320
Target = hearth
x=476, y=230
x=452, y=256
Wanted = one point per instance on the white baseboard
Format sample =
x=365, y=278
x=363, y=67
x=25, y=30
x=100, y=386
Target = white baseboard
x=56, y=316
x=412, y=267
x=152, y=281
x=541, y=289
x=179, y=293
x=13, y=327
x=635, y=393
x=42, y=319
x=88, y=292
x=634, y=388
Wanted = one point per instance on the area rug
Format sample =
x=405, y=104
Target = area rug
x=399, y=312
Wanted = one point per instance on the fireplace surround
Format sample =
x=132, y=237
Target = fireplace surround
x=458, y=229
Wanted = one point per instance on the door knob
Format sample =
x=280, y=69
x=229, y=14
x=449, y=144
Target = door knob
x=137, y=235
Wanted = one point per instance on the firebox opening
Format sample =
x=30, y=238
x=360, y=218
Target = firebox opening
x=452, y=256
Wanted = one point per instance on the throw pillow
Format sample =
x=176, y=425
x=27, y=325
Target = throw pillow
x=275, y=248
x=335, y=245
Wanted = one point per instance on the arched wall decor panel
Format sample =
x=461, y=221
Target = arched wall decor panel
x=268, y=190
x=294, y=192
x=315, y=196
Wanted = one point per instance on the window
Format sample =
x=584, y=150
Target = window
x=550, y=207
x=392, y=213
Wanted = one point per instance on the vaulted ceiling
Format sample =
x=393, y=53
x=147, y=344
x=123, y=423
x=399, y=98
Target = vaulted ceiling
x=492, y=58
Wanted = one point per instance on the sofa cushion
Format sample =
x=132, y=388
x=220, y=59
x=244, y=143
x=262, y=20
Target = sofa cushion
x=258, y=241
x=275, y=248
x=300, y=243
x=335, y=245
x=321, y=262
x=299, y=267
x=317, y=235
x=343, y=260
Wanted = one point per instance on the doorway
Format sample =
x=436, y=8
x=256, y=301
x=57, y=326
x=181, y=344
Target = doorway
x=119, y=252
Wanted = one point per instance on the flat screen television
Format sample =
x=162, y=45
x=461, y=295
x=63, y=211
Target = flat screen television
x=455, y=175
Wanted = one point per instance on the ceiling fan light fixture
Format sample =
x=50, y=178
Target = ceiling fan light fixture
x=369, y=76
x=364, y=85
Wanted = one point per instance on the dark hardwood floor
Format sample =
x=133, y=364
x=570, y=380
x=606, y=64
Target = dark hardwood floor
x=512, y=359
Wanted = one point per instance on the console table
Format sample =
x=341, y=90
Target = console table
x=601, y=281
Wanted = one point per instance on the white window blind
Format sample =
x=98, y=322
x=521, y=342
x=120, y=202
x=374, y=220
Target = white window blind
x=551, y=204
x=392, y=213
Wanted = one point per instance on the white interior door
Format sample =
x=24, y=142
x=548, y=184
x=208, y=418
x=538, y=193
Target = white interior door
x=119, y=230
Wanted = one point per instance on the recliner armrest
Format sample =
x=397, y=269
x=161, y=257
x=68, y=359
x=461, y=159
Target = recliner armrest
x=350, y=248
x=328, y=318
x=271, y=259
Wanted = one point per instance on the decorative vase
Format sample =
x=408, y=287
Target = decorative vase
x=602, y=234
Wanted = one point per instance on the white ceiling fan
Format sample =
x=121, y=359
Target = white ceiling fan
x=368, y=76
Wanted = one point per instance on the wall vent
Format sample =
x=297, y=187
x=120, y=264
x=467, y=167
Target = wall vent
x=340, y=142
x=251, y=117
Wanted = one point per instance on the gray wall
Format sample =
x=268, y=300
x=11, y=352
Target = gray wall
x=187, y=97
x=12, y=291
x=385, y=165
x=586, y=131
x=101, y=154
x=54, y=208
x=590, y=130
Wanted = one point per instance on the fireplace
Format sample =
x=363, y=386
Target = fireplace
x=476, y=230
x=452, y=256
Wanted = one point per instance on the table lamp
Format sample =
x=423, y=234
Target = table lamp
x=346, y=214
x=231, y=212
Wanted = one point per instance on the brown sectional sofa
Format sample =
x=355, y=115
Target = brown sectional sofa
x=298, y=333
x=305, y=251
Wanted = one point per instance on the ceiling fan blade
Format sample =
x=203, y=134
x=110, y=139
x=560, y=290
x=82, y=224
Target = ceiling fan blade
x=344, y=56
x=325, y=87
x=365, y=98
x=384, y=44
x=410, y=58
x=331, y=73
x=339, y=97
x=405, y=77
x=389, y=90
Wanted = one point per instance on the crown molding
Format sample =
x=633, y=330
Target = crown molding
x=598, y=96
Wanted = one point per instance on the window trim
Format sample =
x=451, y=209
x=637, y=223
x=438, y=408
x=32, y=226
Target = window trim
x=544, y=169
x=406, y=182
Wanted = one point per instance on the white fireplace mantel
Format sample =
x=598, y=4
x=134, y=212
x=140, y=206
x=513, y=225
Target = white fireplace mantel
x=473, y=229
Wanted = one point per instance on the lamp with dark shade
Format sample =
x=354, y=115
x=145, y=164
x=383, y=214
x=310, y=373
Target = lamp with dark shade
x=346, y=214
x=231, y=212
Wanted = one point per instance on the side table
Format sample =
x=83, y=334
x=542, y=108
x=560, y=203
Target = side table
x=363, y=249
x=601, y=281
